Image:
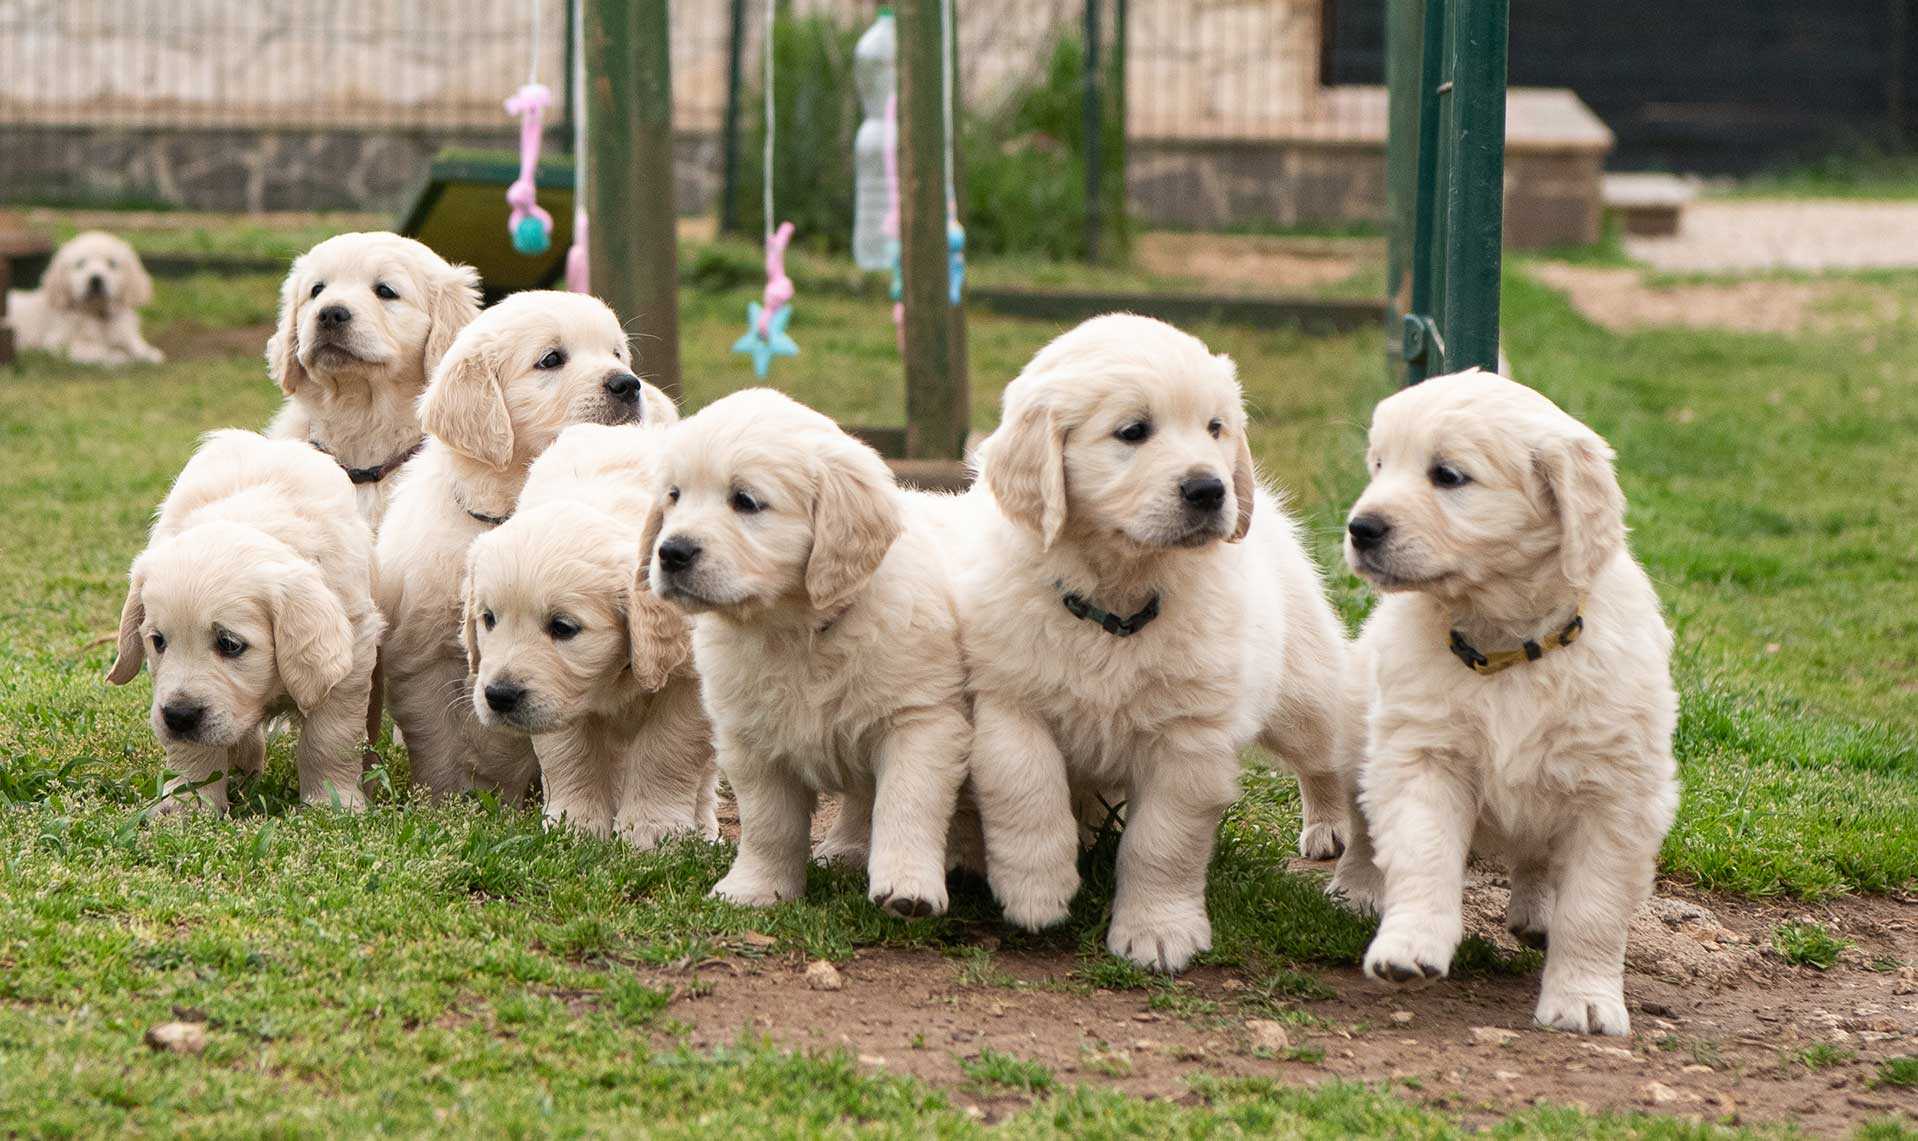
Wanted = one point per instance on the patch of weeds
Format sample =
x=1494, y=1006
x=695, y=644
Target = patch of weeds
x=1310, y=1055
x=1706, y=1052
x=977, y=967
x=1807, y=945
x=1280, y=986
x=1181, y=1002
x=1900, y=1072
x=991, y=1068
x=1823, y=1056
x=1109, y=972
x=1412, y=1082
x=1101, y=1060
x=1478, y=956
x=633, y=1002
x=587, y=937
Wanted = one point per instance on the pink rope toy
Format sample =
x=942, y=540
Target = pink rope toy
x=891, y=223
x=578, y=280
x=766, y=320
x=530, y=226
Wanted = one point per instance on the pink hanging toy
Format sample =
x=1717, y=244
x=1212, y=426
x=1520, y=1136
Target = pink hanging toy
x=530, y=226
x=766, y=320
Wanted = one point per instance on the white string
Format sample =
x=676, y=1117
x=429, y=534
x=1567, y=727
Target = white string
x=532, y=68
x=578, y=101
x=766, y=191
x=945, y=68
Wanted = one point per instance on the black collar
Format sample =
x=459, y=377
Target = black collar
x=377, y=472
x=1111, y=623
x=1498, y=661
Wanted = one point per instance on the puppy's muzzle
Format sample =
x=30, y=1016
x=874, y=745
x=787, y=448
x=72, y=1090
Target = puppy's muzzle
x=504, y=697
x=623, y=387
x=96, y=287
x=183, y=718
x=1203, y=495
x=1368, y=532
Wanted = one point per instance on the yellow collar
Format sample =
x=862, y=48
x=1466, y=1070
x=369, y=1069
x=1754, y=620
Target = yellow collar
x=1500, y=660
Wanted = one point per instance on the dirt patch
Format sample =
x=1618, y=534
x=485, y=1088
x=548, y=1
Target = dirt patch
x=186, y=340
x=1620, y=299
x=1719, y=1021
x=1252, y=263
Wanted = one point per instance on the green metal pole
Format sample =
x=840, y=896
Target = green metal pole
x=937, y=409
x=1402, y=23
x=1422, y=356
x=729, y=134
x=1093, y=128
x=1475, y=197
x=633, y=240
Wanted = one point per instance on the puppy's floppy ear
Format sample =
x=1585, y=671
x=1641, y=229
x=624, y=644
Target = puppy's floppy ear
x=312, y=640
x=53, y=283
x=139, y=281
x=1576, y=468
x=649, y=533
x=283, y=347
x=465, y=406
x=656, y=408
x=453, y=303
x=469, y=612
x=1024, y=465
x=133, y=614
x=855, y=518
x=1245, y=483
x=661, y=637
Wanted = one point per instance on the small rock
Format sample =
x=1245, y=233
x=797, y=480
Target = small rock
x=757, y=939
x=821, y=975
x=1146, y=1016
x=1145, y=1045
x=178, y=1037
x=871, y=1060
x=1493, y=1035
x=1618, y=1052
x=1658, y=1093
x=1267, y=1035
x=1232, y=984
x=1507, y=1076
x=1697, y=1068
x=1401, y=1016
x=997, y=1009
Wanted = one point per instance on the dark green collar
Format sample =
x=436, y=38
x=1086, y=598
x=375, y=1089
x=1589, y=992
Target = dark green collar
x=1500, y=660
x=1111, y=623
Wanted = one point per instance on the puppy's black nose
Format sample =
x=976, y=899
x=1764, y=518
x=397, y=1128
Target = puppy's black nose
x=502, y=697
x=623, y=386
x=334, y=315
x=678, y=553
x=181, y=717
x=1367, y=531
x=1204, y=493
x=96, y=284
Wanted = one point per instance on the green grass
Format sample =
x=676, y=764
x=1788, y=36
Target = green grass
x=1823, y=1056
x=1862, y=172
x=1807, y=945
x=460, y=968
x=1900, y=1073
x=992, y=1068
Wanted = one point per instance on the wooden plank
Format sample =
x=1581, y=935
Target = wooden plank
x=931, y=475
x=1330, y=315
x=937, y=408
x=633, y=240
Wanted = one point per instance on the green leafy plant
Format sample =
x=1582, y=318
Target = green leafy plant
x=1807, y=945
x=992, y=1068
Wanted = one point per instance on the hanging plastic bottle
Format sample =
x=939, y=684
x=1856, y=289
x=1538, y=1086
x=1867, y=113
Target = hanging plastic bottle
x=875, y=71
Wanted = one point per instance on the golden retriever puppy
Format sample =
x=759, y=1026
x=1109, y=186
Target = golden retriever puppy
x=827, y=645
x=1137, y=610
x=1518, y=687
x=510, y=383
x=88, y=305
x=255, y=593
x=567, y=642
x=364, y=321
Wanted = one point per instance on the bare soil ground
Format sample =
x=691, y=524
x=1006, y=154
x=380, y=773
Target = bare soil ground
x=1622, y=300
x=1719, y=1019
x=1256, y=263
x=1743, y=236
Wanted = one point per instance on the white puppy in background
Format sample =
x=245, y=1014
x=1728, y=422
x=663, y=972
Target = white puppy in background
x=1521, y=703
x=511, y=382
x=364, y=321
x=827, y=643
x=255, y=592
x=567, y=642
x=1137, y=609
x=87, y=306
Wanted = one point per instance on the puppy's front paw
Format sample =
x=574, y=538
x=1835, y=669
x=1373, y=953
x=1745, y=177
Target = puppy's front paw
x=749, y=890
x=645, y=835
x=1585, y=1011
x=1409, y=951
x=1034, y=900
x=909, y=894
x=833, y=850
x=1357, y=884
x=1322, y=841
x=150, y=355
x=1163, y=941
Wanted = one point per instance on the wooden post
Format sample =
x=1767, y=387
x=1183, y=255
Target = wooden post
x=1093, y=128
x=729, y=132
x=937, y=408
x=633, y=236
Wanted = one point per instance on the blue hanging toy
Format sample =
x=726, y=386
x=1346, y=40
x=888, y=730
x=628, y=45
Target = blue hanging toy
x=768, y=318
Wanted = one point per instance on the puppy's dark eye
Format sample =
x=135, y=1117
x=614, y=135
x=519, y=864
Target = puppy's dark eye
x=744, y=503
x=1135, y=433
x=1445, y=475
x=227, y=645
x=1217, y=426
x=560, y=628
x=553, y=359
x=319, y=287
x=113, y=263
x=487, y=620
x=159, y=642
x=385, y=292
x=672, y=495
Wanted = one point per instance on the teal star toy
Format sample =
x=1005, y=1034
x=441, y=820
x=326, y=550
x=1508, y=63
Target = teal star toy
x=773, y=343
